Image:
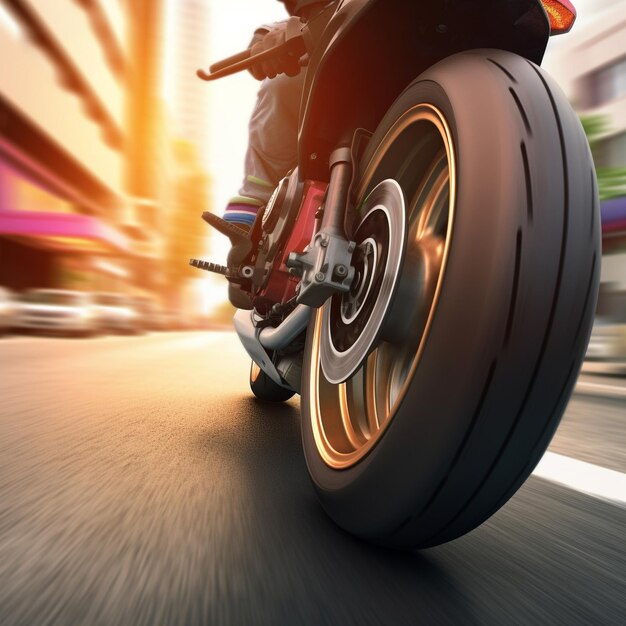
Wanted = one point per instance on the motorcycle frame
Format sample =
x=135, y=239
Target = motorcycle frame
x=337, y=100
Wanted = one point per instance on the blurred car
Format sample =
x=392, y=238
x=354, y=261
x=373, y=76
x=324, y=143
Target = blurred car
x=607, y=342
x=117, y=313
x=170, y=319
x=7, y=310
x=152, y=317
x=55, y=311
x=606, y=352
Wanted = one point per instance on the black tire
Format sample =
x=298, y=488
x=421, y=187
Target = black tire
x=512, y=319
x=264, y=388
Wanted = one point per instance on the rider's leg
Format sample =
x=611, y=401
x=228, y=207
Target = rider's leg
x=272, y=152
x=272, y=146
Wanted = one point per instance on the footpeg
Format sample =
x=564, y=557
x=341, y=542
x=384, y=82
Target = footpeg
x=231, y=273
x=239, y=239
x=234, y=233
x=207, y=266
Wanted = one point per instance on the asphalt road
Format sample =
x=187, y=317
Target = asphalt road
x=141, y=484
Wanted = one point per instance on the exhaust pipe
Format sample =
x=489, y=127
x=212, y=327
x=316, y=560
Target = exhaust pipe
x=281, y=336
x=258, y=342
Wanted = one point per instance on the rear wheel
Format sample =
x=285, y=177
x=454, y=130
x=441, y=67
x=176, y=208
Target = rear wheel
x=264, y=388
x=465, y=381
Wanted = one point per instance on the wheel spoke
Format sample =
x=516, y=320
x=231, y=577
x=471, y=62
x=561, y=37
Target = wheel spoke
x=384, y=365
x=370, y=394
x=346, y=401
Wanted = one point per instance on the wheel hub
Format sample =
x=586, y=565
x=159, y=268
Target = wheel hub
x=353, y=321
x=365, y=261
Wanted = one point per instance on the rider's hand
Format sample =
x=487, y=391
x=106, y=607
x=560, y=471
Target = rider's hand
x=277, y=63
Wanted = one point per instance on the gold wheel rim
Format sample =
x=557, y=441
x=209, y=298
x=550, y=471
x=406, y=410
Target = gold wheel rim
x=349, y=419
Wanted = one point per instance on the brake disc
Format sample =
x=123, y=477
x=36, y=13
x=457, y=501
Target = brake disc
x=352, y=322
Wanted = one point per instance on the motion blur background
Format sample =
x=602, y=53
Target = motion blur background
x=140, y=483
x=111, y=148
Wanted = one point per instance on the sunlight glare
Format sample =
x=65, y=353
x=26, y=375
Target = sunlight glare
x=10, y=23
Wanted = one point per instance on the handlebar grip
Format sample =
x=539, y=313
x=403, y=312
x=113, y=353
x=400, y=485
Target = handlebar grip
x=236, y=58
x=294, y=46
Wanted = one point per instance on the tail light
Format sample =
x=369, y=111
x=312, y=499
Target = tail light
x=562, y=15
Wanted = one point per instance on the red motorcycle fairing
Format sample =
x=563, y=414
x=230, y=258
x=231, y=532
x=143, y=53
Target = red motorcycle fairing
x=372, y=49
x=281, y=286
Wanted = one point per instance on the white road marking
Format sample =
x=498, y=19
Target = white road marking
x=584, y=477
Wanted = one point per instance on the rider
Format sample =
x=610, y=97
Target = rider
x=273, y=128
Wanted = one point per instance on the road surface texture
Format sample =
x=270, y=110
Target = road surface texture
x=141, y=484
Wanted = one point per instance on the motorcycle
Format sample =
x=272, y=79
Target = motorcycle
x=426, y=278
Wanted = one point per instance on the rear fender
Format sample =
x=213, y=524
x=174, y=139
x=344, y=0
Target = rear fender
x=372, y=49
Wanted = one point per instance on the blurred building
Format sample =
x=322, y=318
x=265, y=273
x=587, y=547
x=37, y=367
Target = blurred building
x=62, y=144
x=148, y=147
x=590, y=64
x=189, y=49
x=186, y=46
x=597, y=65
